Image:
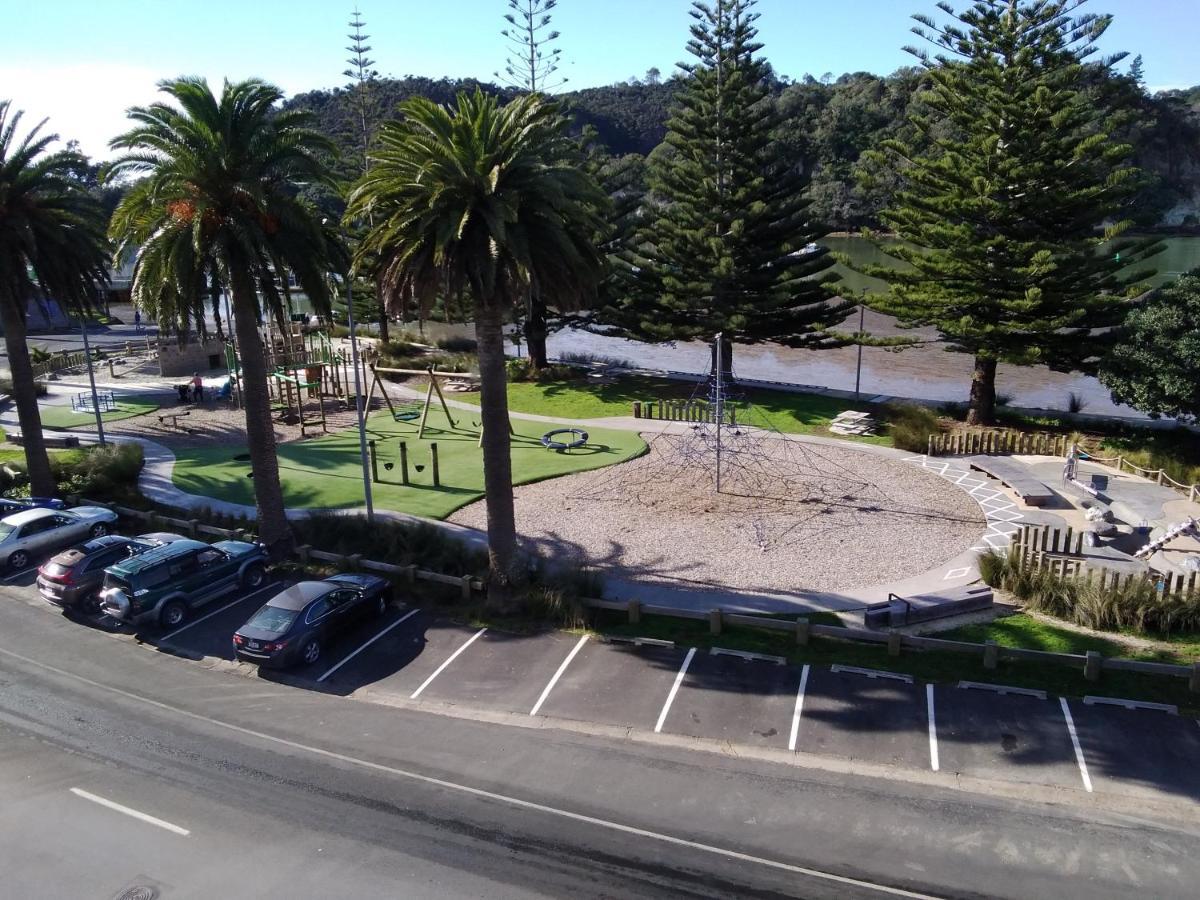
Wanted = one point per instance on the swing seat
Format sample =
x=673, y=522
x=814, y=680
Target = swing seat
x=407, y=416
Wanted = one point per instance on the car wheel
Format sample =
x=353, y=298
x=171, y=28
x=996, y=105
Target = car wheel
x=311, y=651
x=172, y=614
x=91, y=603
x=100, y=529
x=18, y=559
x=254, y=576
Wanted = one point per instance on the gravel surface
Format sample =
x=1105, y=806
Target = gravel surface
x=791, y=516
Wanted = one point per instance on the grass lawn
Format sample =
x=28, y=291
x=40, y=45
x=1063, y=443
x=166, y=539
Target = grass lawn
x=326, y=472
x=60, y=417
x=931, y=666
x=787, y=412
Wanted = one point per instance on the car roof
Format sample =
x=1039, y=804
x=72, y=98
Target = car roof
x=30, y=515
x=157, y=556
x=300, y=595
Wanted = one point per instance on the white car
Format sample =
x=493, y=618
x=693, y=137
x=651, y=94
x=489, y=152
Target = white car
x=36, y=532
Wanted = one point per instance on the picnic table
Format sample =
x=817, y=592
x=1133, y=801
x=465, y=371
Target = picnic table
x=174, y=417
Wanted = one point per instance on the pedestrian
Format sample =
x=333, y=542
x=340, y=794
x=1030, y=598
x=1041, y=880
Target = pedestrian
x=197, y=388
x=137, y=319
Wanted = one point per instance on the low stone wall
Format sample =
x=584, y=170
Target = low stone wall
x=194, y=356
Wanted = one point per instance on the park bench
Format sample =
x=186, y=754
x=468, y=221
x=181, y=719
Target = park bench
x=174, y=417
x=63, y=441
x=898, y=611
x=1014, y=475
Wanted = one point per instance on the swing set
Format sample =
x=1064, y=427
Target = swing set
x=408, y=410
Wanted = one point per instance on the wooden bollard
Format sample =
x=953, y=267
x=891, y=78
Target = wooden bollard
x=714, y=621
x=437, y=476
x=637, y=409
x=894, y=643
x=352, y=561
x=466, y=586
x=1091, y=666
x=635, y=612
x=194, y=527
x=374, y=462
x=991, y=654
x=802, y=632
x=404, y=462
x=303, y=552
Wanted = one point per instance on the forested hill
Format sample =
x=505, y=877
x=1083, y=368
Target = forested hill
x=828, y=125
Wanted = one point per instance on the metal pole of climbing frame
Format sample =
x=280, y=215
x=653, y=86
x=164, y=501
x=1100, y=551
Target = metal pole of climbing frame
x=358, y=399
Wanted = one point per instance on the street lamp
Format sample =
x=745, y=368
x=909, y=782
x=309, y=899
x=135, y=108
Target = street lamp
x=358, y=400
x=87, y=354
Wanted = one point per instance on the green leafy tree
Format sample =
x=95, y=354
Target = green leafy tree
x=52, y=247
x=218, y=194
x=1004, y=210
x=1154, y=365
x=532, y=68
x=727, y=247
x=488, y=201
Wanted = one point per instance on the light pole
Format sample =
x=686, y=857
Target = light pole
x=87, y=354
x=862, y=312
x=358, y=401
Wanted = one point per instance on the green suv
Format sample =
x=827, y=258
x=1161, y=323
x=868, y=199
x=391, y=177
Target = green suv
x=165, y=584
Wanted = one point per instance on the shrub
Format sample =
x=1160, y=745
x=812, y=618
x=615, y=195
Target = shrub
x=458, y=345
x=1076, y=403
x=595, y=359
x=555, y=595
x=104, y=472
x=40, y=388
x=910, y=426
x=398, y=543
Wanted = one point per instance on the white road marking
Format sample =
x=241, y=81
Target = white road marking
x=933, y=748
x=557, y=675
x=453, y=656
x=216, y=612
x=1083, y=772
x=404, y=618
x=733, y=855
x=15, y=575
x=662, y=716
x=141, y=816
x=799, y=707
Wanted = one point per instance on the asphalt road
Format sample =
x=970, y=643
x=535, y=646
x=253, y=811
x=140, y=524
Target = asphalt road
x=284, y=792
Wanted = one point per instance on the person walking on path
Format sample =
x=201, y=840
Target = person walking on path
x=137, y=320
x=197, y=388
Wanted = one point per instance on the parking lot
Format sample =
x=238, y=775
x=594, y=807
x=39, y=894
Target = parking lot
x=732, y=699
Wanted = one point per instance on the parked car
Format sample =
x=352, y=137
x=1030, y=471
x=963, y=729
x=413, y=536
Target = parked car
x=73, y=578
x=32, y=532
x=10, y=505
x=166, y=583
x=295, y=625
x=158, y=538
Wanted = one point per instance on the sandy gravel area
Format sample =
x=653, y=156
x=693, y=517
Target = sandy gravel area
x=791, y=516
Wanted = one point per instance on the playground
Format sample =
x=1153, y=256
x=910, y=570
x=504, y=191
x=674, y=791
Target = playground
x=80, y=413
x=326, y=472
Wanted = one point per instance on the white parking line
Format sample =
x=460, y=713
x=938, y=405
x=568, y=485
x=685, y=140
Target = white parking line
x=453, y=656
x=1083, y=772
x=404, y=618
x=141, y=816
x=662, y=716
x=15, y=575
x=557, y=675
x=933, y=748
x=216, y=612
x=799, y=707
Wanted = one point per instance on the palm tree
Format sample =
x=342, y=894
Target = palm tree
x=488, y=200
x=219, y=196
x=52, y=247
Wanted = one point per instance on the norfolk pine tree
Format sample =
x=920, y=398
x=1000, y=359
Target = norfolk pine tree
x=1002, y=215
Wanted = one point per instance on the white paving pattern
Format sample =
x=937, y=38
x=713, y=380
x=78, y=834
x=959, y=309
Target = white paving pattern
x=1000, y=511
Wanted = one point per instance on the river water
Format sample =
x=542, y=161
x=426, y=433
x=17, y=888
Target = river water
x=927, y=372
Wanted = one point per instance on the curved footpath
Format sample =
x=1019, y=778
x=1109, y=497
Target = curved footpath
x=1001, y=514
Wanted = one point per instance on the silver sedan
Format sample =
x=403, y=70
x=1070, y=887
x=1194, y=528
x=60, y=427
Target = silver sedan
x=36, y=532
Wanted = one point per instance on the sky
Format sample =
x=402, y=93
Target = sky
x=82, y=63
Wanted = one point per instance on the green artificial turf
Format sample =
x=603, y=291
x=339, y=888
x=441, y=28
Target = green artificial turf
x=326, y=472
x=59, y=417
x=791, y=413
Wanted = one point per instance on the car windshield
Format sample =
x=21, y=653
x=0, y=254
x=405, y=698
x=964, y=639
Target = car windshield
x=272, y=618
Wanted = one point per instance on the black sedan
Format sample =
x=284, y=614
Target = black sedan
x=10, y=505
x=295, y=625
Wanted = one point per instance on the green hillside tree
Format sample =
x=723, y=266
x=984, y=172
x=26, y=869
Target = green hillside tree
x=729, y=245
x=1154, y=366
x=1017, y=184
x=52, y=247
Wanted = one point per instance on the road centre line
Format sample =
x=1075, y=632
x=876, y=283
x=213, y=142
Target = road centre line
x=404, y=618
x=933, y=747
x=662, y=716
x=133, y=813
x=453, y=656
x=479, y=793
x=230, y=605
x=557, y=675
x=1083, y=772
x=799, y=707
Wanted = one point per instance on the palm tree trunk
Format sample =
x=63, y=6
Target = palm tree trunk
x=273, y=528
x=497, y=459
x=982, y=409
x=41, y=481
